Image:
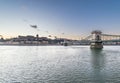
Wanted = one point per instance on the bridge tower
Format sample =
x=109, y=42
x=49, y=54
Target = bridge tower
x=96, y=39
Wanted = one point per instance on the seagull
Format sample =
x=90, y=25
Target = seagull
x=50, y=36
x=34, y=26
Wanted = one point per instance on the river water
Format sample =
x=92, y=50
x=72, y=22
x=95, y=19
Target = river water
x=59, y=64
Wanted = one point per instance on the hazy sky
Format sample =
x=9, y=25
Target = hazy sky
x=72, y=17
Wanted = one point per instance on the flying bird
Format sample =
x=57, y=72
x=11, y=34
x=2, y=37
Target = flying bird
x=46, y=31
x=63, y=33
x=34, y=26
x=50, y=36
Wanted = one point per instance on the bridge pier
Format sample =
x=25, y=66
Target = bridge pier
x=96, y=45
x=96, y=39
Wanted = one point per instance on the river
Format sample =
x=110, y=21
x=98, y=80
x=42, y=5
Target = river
x=59, y=64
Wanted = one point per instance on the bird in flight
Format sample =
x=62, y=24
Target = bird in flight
x=34, y=26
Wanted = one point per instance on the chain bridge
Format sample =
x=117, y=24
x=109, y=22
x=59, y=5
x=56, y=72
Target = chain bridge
x=98, y=39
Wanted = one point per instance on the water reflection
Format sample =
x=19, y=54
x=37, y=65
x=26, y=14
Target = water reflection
x=57, y=64
x=98, y=63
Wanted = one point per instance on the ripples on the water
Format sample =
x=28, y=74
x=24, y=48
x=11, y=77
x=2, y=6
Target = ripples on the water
x=59, y=64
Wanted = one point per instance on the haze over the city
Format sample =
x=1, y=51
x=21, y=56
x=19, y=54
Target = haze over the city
x=61, y=18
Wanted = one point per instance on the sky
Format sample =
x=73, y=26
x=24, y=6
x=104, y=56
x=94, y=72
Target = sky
x=74, y=18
